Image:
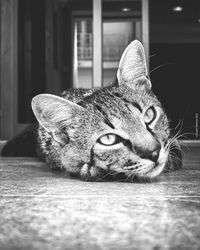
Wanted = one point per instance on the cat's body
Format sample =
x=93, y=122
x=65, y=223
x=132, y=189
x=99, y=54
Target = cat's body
x=99, y=132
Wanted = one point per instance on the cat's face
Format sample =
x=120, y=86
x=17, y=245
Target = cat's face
x=134, y=140
x=118, y=129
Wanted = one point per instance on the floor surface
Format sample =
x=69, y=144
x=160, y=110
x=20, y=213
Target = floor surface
x=41, y=209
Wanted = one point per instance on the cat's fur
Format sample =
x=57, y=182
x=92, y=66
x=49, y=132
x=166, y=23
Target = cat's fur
x=121, y=128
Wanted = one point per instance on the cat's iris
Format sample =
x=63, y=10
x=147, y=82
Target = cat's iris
x=108, y=139
x=150, y=115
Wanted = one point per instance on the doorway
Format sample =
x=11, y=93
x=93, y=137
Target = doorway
x=40, y=51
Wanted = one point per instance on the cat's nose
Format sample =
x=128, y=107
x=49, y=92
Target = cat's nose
x=152, y=155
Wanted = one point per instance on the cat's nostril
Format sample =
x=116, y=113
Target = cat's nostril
x=154, y=155
x=129, y=163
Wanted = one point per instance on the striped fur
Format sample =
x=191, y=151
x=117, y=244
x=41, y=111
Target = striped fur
x=117, y=130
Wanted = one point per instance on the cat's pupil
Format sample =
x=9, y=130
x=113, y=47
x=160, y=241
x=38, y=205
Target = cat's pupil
x=109, y=137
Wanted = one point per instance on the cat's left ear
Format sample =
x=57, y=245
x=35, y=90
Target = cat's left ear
x=55, y=115
x=132, y=70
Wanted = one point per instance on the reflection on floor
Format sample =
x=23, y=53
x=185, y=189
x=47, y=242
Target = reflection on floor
x=41, y=209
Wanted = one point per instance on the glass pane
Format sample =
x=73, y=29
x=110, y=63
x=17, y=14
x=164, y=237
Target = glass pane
x=83, y=59
x=121, y=25
x=174, y=61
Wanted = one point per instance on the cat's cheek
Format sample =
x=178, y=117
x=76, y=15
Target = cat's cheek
x=100, y=164
x=72, y=160
x=110, y=158
x=89, y=173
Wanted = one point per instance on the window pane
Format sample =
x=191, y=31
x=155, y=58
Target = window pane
x=121, y=25
x=83, y=59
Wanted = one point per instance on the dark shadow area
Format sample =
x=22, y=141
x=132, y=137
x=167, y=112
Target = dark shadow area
x=176, y=83
x=174, y=61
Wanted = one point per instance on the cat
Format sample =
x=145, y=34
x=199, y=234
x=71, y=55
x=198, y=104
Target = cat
x=120, y=129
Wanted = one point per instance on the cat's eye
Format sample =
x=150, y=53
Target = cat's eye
x=108, y=139
x=150, y=115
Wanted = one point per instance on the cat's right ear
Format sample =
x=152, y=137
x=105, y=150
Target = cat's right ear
x=132, y=70
x=54, y=113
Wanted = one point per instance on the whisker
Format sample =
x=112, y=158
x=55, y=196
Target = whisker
x=102, y=177
x=160, y=66
x=179, y=122
x=152, y=55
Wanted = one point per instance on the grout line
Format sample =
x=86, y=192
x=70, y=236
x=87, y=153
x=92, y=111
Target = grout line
x=102, y=196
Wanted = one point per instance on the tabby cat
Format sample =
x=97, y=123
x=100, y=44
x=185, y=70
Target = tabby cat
x=119, y=129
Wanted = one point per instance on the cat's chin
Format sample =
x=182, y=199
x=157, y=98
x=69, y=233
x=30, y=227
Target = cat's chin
x=149, y=172
x=154, y=172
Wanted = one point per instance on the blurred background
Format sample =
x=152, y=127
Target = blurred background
x=53, y=45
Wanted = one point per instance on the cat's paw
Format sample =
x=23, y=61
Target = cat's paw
x=89, y=173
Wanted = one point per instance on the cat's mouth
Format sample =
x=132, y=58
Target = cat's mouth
x=144, y=168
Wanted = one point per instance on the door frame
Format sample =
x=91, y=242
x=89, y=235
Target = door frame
x=9, y=125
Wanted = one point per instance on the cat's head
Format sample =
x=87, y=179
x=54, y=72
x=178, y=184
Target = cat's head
x=118, y=129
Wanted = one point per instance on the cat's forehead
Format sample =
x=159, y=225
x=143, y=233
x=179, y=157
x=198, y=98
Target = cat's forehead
x=145, y=97
x=116, y=97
